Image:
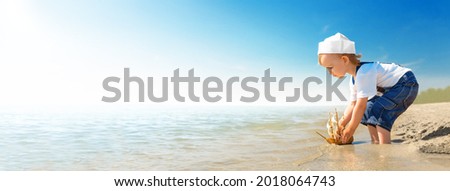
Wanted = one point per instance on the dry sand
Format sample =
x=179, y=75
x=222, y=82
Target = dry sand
x=426, y=126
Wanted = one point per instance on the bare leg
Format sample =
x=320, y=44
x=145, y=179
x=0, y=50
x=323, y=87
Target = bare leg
x=373, y=134
x=384, y=135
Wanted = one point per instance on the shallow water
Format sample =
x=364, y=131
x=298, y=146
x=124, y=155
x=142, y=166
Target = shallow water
x=204, y=138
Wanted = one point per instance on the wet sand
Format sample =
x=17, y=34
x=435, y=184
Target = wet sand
x=372, y=157
x=421, y=141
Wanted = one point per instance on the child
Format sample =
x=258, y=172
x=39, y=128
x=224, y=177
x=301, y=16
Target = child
x=380, y=92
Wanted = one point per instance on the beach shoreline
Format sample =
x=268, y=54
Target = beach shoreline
x=426, y=126
x=420, y=141
x=216, y=139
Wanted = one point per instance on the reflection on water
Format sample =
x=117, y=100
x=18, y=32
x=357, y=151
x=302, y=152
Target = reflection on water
x=375, y=157
x=205, y=138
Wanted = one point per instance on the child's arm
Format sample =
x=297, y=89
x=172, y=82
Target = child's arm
x=357, y=114
x=347, y=114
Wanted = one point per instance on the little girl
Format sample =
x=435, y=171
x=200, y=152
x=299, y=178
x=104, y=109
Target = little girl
x=380, y=92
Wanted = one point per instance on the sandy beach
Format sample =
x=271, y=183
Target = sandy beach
x=420, y=141
x=426, y=126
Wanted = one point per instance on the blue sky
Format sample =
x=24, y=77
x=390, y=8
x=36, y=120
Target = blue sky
x=81, y=42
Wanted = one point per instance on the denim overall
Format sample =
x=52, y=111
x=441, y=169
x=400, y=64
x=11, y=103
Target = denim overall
x=383, y=110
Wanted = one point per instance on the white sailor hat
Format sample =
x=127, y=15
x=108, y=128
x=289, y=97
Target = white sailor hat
x=337, y=44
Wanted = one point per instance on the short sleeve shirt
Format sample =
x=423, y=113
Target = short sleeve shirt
x=371, y=75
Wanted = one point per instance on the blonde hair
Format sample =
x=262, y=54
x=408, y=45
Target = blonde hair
x=353, y=58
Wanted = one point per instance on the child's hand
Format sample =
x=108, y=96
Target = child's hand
x=341, y=124
x=346, y=135
x=340, y=129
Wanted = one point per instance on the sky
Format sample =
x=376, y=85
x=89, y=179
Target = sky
x=59, y=52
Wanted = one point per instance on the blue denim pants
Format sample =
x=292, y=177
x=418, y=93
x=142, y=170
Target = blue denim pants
x=384, y=110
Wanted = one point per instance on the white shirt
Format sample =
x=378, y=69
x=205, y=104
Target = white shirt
x=373, y=74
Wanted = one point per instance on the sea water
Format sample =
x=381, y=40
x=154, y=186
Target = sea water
x=179, y=138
